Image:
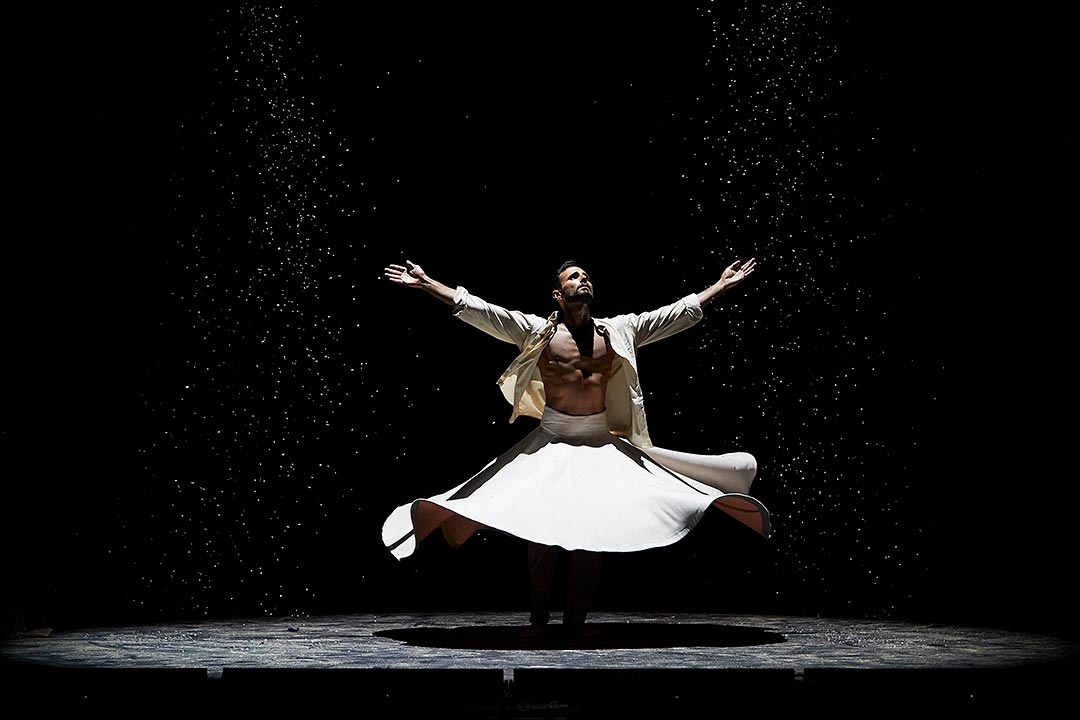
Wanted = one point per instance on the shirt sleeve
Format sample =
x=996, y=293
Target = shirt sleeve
x=665, y=321
x=510, y=326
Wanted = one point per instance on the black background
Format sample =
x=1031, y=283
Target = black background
x=913, y=271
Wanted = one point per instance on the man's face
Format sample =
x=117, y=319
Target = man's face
x=575, y=285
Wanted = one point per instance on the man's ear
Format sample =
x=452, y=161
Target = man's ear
x=556, y=294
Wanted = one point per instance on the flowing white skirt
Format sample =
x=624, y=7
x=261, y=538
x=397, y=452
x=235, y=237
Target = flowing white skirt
x=573, y=484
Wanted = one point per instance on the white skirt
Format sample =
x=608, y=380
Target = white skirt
x=573, y=484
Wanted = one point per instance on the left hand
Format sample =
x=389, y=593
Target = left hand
x=736, y=272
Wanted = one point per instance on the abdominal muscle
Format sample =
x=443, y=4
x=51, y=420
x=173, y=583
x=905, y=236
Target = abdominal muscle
x=575, y=384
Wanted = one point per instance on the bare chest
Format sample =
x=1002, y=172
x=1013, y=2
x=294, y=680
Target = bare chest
x=565, y=348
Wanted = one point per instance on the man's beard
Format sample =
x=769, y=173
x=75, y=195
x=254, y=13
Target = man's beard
x=585, y=298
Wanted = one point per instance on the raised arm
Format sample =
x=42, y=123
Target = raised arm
x=412, y=275
x=733, y=274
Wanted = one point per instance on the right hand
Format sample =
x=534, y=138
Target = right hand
x=410, y=274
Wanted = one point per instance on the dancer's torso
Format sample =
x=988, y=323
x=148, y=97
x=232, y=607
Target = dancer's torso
x=575, y=371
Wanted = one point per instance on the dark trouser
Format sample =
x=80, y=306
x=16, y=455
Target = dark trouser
x=582, y=577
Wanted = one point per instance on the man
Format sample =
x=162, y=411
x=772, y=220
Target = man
x=588, y=480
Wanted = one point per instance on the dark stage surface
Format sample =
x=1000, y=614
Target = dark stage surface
x=477, y=664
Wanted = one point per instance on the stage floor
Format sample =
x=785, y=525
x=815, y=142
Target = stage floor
x=477, y=665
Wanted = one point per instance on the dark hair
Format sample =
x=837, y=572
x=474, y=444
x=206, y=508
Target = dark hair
x=558, y=273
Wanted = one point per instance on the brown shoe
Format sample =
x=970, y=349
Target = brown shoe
x=582, y=630
x=533, y=632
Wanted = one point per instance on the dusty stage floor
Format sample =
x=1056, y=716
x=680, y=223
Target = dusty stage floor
x=477, y=665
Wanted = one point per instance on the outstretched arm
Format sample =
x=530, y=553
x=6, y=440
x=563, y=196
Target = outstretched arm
x=733, y=274
x=509, y=326
x=412, y=275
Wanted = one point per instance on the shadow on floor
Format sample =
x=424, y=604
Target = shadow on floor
x=609, y=636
